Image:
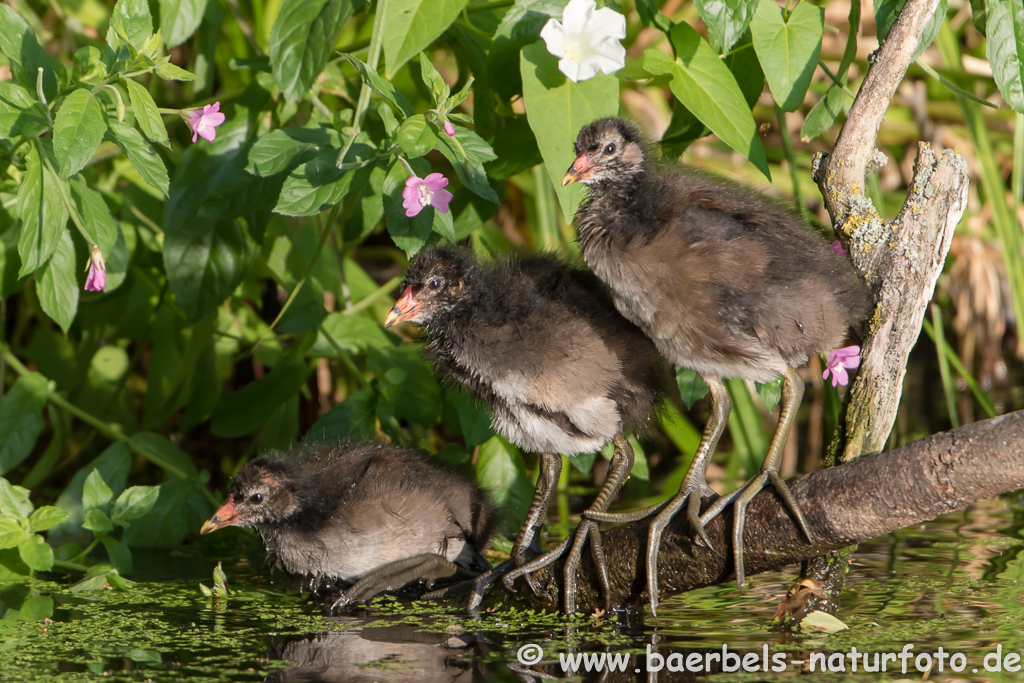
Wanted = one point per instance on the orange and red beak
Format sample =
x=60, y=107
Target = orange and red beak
x=226, y=515
x=405, y=309
x=579, y=170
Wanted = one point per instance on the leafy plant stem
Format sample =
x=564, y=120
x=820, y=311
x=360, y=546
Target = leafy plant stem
x=369, y=299
x=832, y=77
x=85, y=553
x=73, y=566
x=972, y=383
x=324, y=234
x=376, y=44
x=787, y=145
x=947, y=382
x=992, y=184
x=42, y=96
x=68, y=204
x=100, y=425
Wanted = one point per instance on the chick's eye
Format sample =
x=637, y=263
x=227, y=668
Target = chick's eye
x=434, y=284
x=256, y=498
x=610, y=149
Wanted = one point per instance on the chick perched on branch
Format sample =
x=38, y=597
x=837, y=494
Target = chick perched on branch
x=724, y=282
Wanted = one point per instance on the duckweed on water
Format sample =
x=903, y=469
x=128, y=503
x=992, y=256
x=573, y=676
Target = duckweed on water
x=953, y=584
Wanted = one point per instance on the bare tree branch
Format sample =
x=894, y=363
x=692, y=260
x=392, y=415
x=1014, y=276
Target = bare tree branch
x=846, y=504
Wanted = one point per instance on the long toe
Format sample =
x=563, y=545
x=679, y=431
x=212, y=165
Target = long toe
x=790, y=501
x=537, y=562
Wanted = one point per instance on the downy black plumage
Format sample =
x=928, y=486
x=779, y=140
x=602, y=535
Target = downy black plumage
x=542, y=344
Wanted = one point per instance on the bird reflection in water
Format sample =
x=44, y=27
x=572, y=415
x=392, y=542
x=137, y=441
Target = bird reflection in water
x=394, y=654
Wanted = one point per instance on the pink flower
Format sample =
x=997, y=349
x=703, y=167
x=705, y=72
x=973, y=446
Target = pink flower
x=204, y=122
x=96, y=280
x=837, y=248
x=449, y=128
x=429, y=191
x=839, y=361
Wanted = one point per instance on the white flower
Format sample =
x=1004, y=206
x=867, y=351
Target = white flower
x=587, y=40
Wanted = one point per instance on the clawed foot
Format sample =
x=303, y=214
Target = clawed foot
x=740, y=498
x=690, y=494
x=588, y=529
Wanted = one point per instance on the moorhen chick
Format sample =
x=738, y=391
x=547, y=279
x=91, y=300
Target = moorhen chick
x=373, y=515
x=725, y=282
x=562, y=371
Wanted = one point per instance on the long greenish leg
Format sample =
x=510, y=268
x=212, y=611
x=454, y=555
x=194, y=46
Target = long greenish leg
x=622, y=463
x=694, y=485
x=621, y=466
x=547, y=483
x=792, y=393
x=395, y=575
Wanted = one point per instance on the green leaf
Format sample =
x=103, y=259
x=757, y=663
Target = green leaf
x=43, y=213
x=205, y=261
x=26, y=56
x=171, y=72
x=727, y=20
x=21, y=420
x=692, y=386
x=353, y=418
x=179, y=512
x=439, y=90
x=788, y=49
x=471, y=169
x=130, y=21
x=97, y=520
x=410, y=234
x=353, y=334
x=650, y=15
x=99, y=223
x=36, y=553
x=146, y=113
x=823, y=114
x=166, y=455
x=407, y=386
x=557, y=108
x=979, y=16
x=36, y=608
x=704, y=84
x=415, y=136
x=319, y=184
x=46, y=517
x=953, y=86
x=120, y=556
x=886, y=12
x=179, y=19
x=12, y=534
x=77, y=131
x=20, y=113
x=500, y=471
x=133, y=503
x=474, y=418
x=769, y=393
x=142, y=155
x=301, y=41
x=412, y=25
x=95, y=492
x=384, y=89
x=57, y=283
x=275, y=151
x=1005, y=49
x=14, y=500
x=247, y=409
